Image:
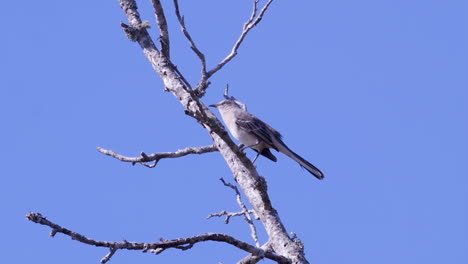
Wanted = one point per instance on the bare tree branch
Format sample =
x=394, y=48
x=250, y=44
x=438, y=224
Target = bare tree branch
x=164, y=38
x=203, y=84
x=229, y=215
x=162, y=24
x=179, y=75
x=180, y=243
x=193, y=46
x=252, y=259
x=109, y=255
x=158, y=156
x=247, y=27
x=137, y=32
x=245, y=211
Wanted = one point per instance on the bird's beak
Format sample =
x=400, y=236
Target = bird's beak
x=213, y=105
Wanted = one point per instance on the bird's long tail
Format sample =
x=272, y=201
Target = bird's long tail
x=304, y=163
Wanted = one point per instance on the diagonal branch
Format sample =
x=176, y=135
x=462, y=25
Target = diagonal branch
x=251, y=23
x=252, y=259
x=180, y=243
x=137, y=31
x=109, y=255
x=162, y=24
x=160, y=155
x=193, y=46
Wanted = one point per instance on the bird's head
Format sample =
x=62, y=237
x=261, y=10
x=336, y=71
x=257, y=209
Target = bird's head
x=229, y=103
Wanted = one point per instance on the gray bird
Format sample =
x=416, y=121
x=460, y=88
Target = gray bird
x=258, y=135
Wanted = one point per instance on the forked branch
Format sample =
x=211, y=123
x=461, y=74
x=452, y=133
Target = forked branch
x=157, y=247
x=245, y=211
x=251, y=23
x=203, y=84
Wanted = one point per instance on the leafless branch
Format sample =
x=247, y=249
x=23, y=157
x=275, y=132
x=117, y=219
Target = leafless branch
x=229, y=215
x=180, y=243
x=245, y=212
x=157, y=156
x=252, y=259
x=251, y=23
x=136, y=31
x=162, y=24
x=180, y=75
x=193, y=46
x=164, y=38
x=109, y=255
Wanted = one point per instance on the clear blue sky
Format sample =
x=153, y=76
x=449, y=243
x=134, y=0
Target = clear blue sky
x=374, y=93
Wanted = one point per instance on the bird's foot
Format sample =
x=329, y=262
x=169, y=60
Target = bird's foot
x=242, y=147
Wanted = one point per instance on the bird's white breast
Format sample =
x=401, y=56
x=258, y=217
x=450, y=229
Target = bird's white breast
x=244, y=137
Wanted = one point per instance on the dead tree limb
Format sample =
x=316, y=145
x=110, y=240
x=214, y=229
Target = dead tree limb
x=155, y=157
x=202, y=84
x=252, y=259
x=228, y=215
x=245, y=211
x=180, y=243
x=251, y=23
x=253, y=20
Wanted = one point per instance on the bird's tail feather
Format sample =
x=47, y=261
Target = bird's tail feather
x=304, y=163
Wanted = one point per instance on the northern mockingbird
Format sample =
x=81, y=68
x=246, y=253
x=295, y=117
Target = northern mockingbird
x=258, y=135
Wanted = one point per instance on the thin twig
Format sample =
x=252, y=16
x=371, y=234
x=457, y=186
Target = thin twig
x=254, y=13
x=245, y=211
x=162, y=24
x=193, y=46
x=180, y=243
x=247, y=27
x=226, y=96
x=157, y=156
x=109, y=255
x=229, y=215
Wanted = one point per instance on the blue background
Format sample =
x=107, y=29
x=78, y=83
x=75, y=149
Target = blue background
x=374, y=93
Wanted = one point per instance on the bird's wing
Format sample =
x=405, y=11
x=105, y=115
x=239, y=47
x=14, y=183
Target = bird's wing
x=257, y=127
